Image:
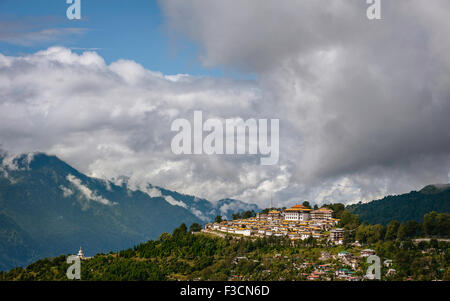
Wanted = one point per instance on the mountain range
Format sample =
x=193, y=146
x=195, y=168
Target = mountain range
x=48, y=208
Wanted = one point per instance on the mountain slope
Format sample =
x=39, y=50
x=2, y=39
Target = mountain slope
x=409, y=206
x=17, y=248
x=204, y=209
x=48, y=208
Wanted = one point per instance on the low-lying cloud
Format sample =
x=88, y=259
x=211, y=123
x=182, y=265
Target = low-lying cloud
x=85, y=191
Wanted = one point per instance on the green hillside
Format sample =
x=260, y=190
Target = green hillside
x=405, y=207
x=186, y=256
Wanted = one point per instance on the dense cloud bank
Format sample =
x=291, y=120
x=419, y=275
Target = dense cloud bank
x=363, y=105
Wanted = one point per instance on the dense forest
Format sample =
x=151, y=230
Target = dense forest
x=405, y=207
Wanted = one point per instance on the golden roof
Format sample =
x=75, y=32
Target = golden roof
x=297, y=209
x=323, y=209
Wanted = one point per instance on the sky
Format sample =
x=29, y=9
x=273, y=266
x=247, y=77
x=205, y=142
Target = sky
x=112, y=29
x=363, y=104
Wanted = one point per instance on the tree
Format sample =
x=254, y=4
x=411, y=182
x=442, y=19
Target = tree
x=306, y=204
x=392, y=230
x=377, y=233
x=362, y=233
x=180, y=231
x=316, y=207
x=434, y=243
x=447, y=275
x=164, y=236
x=248, y=214
x=349, y=221
x=443, y=224
x=349, y=237
x=422, y=245
x=337, y=208
x=401, y=233
x=235, y=216
x=412, y=228
x=195, y=227
x=218, y=219
x=430, y=223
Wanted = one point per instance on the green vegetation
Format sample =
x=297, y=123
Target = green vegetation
x=244, y=215
x=435, y=225
x=184, y=255
x=265, y=211
x=406, y=207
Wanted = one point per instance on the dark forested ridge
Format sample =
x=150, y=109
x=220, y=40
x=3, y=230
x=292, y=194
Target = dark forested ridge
x=405, y=207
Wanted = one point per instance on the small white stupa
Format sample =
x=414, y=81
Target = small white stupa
x=81, y=254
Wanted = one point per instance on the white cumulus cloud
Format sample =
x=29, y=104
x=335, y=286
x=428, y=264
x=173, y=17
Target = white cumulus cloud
x=363, y=105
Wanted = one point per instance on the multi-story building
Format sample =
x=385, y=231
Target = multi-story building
x=273, y=215
x=297, y=213
x=322, y=214
x=337, y=235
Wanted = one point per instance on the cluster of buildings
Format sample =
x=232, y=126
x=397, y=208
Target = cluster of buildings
x=331, y=266
x=324, y=272
x=346, y=270
x=297, y=222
